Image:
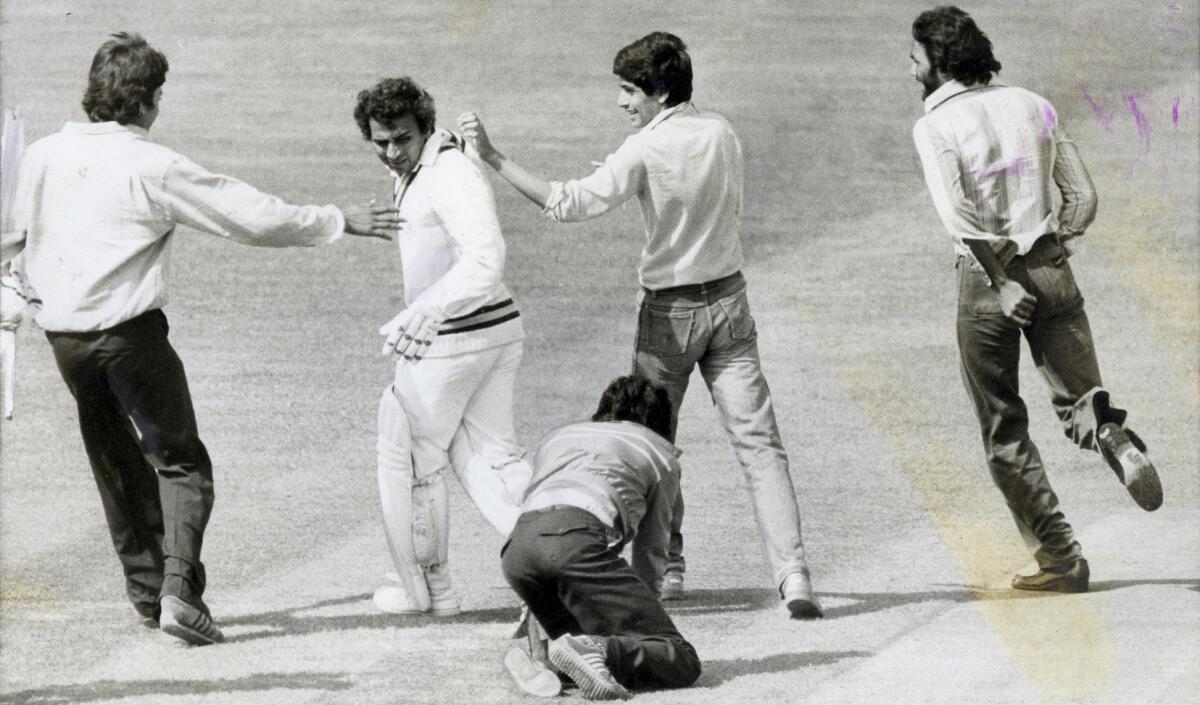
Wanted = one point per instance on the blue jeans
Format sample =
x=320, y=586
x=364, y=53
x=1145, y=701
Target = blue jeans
x=1060, y=341
x=710, y=325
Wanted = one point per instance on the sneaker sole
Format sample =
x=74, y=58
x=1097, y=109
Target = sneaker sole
x=204, y=633
x=592, y=688
x=530, y=677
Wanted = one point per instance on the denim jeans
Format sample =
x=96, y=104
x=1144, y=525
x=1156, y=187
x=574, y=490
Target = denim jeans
x=1060, y=341
x=151, y=469
x=559, y=562
x=710, y=325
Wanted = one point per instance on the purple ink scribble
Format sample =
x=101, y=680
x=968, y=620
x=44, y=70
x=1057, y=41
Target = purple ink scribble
x=1174, y=8
x=1175, y=112
x=1103, y=118
x=1019, y=166
x=1049, y=120
x=1143, y=125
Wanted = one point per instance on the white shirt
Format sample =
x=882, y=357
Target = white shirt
x=991, y=155
x=452, y=251
x=685, y=167
x=94, y=211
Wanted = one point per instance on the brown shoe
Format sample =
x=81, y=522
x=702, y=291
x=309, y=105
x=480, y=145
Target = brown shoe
x=1070, y=577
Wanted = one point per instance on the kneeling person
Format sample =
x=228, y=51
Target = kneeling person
x=596, y=487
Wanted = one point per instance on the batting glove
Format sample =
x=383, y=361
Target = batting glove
x=409, y=335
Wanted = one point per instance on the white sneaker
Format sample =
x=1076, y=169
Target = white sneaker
x=395, y=598
x=582, y=658
x=530, y=676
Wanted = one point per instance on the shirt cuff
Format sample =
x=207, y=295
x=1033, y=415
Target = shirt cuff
x=553, y=200
x=340, y=220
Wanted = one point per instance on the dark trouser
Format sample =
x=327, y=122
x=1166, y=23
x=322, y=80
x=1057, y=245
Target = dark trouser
x=1060, y=341
x=152, y=471
x=709, y=325
x=558, y=561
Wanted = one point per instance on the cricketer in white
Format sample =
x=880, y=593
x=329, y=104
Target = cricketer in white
x=458, y=344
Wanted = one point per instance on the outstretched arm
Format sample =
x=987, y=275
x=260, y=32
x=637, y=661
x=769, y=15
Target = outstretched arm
x=532, y=186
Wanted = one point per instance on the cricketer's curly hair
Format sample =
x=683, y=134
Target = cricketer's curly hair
x=955, y=45
x=126, y=71
x=637, y=399
x=390, y=100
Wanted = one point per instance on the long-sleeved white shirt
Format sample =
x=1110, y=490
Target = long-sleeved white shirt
x=452, y=252
x=991, y=155
x=94, y=212
x=685, y=167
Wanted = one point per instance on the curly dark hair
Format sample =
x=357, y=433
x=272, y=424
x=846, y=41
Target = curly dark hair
x=955, y=45
x=657, y=63
x=637, y=399
x=126, y=72
x=390, y=100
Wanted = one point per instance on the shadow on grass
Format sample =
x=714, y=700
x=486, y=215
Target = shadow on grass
x=1106, y=585
x=722, y=670
x=116, y=689
x=859, y=603
x=294, y=622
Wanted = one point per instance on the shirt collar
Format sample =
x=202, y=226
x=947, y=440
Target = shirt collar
x=430, y=151
x=953, y=88
x=664, y=114
x=433, y=146
x=103, y=128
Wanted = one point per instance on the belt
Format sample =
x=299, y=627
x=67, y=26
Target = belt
x=557, y=497
x=705, y=288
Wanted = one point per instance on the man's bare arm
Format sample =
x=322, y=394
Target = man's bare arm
x=532, y=186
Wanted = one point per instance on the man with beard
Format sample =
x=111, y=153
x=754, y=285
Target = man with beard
x=992, y=156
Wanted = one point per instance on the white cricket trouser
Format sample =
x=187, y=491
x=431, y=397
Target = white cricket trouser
x=460, y=410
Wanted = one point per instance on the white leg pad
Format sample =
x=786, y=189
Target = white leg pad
x=8, y=369
x=431, y=520
x=395, y=473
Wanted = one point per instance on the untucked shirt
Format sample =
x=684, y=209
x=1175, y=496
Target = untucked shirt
x=686, y=169
x=622, y=464
x=95, y=209
x=991, y=155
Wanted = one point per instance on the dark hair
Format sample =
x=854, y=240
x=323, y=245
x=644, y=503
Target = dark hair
x=126, y=72
x=390, y=100
x=657, y=63
x=637, y=399
x=955, y=45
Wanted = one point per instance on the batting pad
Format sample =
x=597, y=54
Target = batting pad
x=395, y=473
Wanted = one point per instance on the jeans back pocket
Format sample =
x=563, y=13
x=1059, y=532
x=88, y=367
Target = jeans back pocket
x=665, y=331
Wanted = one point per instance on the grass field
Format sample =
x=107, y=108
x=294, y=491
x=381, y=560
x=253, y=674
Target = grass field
x=851, y=280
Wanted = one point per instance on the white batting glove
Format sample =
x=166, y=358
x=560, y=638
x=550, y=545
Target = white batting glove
x=409, y=335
